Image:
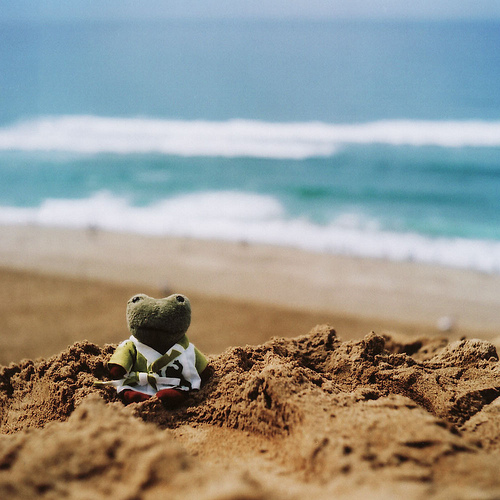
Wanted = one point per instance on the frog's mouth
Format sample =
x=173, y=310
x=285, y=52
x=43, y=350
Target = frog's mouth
x=159, y=339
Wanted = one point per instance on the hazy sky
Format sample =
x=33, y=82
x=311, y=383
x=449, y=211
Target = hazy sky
x=135, y=9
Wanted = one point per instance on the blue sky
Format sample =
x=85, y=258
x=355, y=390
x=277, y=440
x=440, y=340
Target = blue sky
x=137, y=9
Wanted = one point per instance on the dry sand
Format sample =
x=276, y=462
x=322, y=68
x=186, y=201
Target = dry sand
x=351, y=414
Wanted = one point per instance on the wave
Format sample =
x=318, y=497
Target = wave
x=235, y=138
x=254, y=218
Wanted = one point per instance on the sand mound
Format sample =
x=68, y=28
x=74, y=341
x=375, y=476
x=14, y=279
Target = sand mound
x=309, y=415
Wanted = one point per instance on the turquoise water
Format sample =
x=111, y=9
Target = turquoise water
x=371, y=139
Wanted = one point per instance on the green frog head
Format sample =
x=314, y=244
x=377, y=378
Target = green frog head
x=159, y=323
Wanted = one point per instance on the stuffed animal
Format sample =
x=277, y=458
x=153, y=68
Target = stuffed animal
x=158, y=359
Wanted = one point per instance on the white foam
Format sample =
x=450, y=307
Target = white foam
x=233, y=138
x=235, y=216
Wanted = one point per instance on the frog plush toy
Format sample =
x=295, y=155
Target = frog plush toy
x=158, y=359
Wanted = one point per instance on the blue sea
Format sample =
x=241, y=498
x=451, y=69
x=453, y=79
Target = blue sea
x=377, y=139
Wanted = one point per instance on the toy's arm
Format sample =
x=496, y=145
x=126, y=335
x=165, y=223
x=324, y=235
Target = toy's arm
x=201, y=363
x=199, y=360
x=122, y=360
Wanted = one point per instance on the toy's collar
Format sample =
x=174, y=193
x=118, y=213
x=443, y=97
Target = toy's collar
x=153, y=352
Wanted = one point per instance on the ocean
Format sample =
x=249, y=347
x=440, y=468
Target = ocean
x=371, y=139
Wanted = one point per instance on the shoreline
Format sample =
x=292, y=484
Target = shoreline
x=355, y=295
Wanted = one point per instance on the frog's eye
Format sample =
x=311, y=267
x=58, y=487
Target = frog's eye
x=136, y=298
x=180, y=298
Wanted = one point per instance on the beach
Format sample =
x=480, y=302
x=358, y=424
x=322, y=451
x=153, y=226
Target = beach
x=380, y=401
x=324, y=190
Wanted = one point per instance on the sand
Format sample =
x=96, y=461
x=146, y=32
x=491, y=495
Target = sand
x=376, y=403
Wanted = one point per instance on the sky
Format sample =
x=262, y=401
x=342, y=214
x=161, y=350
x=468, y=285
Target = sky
x=314, y=9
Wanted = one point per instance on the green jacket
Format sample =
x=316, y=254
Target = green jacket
x=149, y=371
